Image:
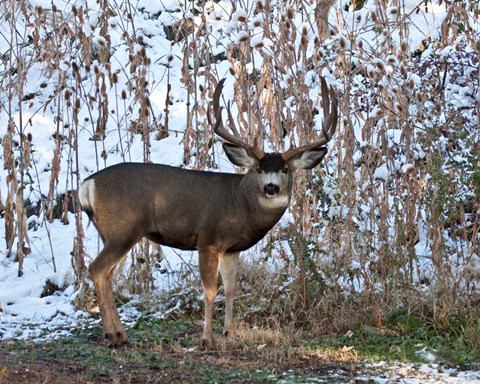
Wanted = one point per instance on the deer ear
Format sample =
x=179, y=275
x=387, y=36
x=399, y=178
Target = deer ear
x=239, y=156
x=308, y=159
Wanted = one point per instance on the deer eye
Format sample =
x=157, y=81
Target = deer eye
x=258, y=170
x=285, y=170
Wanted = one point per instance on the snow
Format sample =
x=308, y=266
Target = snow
x=24, y=314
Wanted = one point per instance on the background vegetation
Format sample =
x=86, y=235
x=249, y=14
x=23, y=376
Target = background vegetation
x=384, y=235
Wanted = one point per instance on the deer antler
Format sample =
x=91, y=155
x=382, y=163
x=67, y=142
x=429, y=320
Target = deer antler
x=330, y=118
x=219, y=128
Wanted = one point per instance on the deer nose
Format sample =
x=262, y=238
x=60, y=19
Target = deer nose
x=271, y=189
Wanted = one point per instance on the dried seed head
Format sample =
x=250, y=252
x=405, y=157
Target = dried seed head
x=380, y=65
x=114, y=78
x=124, y=95
x=393, y=11
x=243, y=37
x=259, y=44
x=74, y=10
x=404, y=47
x=39, y=10
x=398, y=108
x=408, y=168
x=419, y=96
x=74, y=66
x=29, y=136
x=290, y=13
x=392, y=60
x=232, y=71
x=343, y=42
x=411, y=83
x=67, y=94
x=304, y=40
x=371, y=72
x=403, y=70
x=438, y=107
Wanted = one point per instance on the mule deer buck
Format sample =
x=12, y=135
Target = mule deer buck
x=218, y=214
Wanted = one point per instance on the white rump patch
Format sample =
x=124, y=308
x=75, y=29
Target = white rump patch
x=86, y=194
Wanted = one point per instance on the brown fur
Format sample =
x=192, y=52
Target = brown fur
x=218, y=214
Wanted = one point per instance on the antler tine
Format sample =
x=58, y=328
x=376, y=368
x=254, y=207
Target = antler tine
x=329, y=125
x=219, y=128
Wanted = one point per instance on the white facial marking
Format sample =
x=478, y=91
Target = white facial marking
x=274, y=202
x=272, y=178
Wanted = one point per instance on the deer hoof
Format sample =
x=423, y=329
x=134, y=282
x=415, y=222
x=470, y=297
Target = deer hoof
x=208, y=344
x=230, y=332
x=116, y=338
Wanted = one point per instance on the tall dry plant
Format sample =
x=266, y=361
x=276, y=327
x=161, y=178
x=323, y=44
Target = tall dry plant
x=16, y=143
x=390, y=219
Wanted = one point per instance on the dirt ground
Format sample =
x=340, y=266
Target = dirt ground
x=188, y=367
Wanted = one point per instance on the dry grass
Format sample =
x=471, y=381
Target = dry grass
x=359, y=245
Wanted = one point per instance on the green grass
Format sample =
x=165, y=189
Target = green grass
x=454, y=340
x=155, y=349
x=168, y=349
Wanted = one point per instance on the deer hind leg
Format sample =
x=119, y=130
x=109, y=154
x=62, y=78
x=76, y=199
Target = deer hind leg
x=228, y=270
x=101, y=271
x=209, y=264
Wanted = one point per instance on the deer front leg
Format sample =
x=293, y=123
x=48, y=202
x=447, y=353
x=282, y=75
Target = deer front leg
x=209, y=263
x=228, y=270
x=101, y=273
